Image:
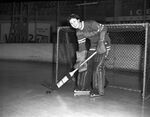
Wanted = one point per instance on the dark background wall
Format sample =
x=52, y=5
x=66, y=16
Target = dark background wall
x=56, y=12
x=59, y=10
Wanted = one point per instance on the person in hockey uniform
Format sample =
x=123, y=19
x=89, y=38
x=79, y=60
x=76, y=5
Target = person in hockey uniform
x=91, y=76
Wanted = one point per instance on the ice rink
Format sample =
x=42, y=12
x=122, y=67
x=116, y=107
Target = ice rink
x=22, y=95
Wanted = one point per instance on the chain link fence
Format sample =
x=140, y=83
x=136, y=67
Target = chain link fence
x=125, y=63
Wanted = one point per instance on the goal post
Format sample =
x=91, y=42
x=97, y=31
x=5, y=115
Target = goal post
x=146, y=78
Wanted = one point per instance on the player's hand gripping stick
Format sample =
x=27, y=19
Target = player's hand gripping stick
x=65, y=78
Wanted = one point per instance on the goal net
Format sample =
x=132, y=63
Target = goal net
x=127, y=65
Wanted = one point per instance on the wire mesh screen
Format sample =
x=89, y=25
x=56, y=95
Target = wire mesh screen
x=124, y=66
x=127, y=46
x=125, y=63
x=66, y=47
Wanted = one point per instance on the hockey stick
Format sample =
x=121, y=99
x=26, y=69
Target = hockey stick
x=65, y=78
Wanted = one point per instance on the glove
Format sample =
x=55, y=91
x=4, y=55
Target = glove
x=101, y=47
x=82, y=68
x=80, y=58
x=81, y=55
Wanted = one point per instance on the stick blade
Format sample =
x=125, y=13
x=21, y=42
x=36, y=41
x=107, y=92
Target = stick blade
x=62, y=81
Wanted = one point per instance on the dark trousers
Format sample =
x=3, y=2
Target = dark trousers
x=94, y=77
